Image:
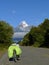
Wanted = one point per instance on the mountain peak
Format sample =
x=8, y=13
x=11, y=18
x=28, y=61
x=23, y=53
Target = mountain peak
x=24, y=24
x=23, y=27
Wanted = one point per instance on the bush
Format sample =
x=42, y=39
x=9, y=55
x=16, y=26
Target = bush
x=6, y=33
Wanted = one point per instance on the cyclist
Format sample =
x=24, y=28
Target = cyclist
x=14, y=47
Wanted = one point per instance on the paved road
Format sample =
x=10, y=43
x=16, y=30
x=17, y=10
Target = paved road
x=30, y=56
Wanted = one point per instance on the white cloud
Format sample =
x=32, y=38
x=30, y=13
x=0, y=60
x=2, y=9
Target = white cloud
x=19, y=34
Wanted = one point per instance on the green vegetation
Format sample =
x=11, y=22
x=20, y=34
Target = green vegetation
x=38, y=36
x=6, y=33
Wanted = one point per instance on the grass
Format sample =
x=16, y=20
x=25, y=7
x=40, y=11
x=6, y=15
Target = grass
x=2, y=52
x=3, y=49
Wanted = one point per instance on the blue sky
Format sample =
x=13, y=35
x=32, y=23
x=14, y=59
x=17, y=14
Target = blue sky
x=32, y=11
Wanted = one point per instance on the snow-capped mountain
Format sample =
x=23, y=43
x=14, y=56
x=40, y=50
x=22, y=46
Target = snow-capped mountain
x=23, y=24
x=21, y=30
x=22, y=27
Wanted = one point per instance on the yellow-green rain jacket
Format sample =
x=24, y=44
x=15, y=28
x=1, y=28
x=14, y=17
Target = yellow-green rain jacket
x=14, y=47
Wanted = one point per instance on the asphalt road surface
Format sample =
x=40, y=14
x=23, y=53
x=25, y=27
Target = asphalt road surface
x=30, y=56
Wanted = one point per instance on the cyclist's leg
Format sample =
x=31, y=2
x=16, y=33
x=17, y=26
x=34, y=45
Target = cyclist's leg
x=18, y=57
x=14, y=55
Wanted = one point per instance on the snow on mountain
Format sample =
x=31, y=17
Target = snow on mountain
x=22, y=27
x=23, y=24
x=21, y=30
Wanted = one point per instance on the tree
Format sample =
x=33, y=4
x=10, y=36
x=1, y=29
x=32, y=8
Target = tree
x=45, y=28
x=25, y=40
x=6, y=32
x=38, y=36
x=45, y=25
x=46, y=41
